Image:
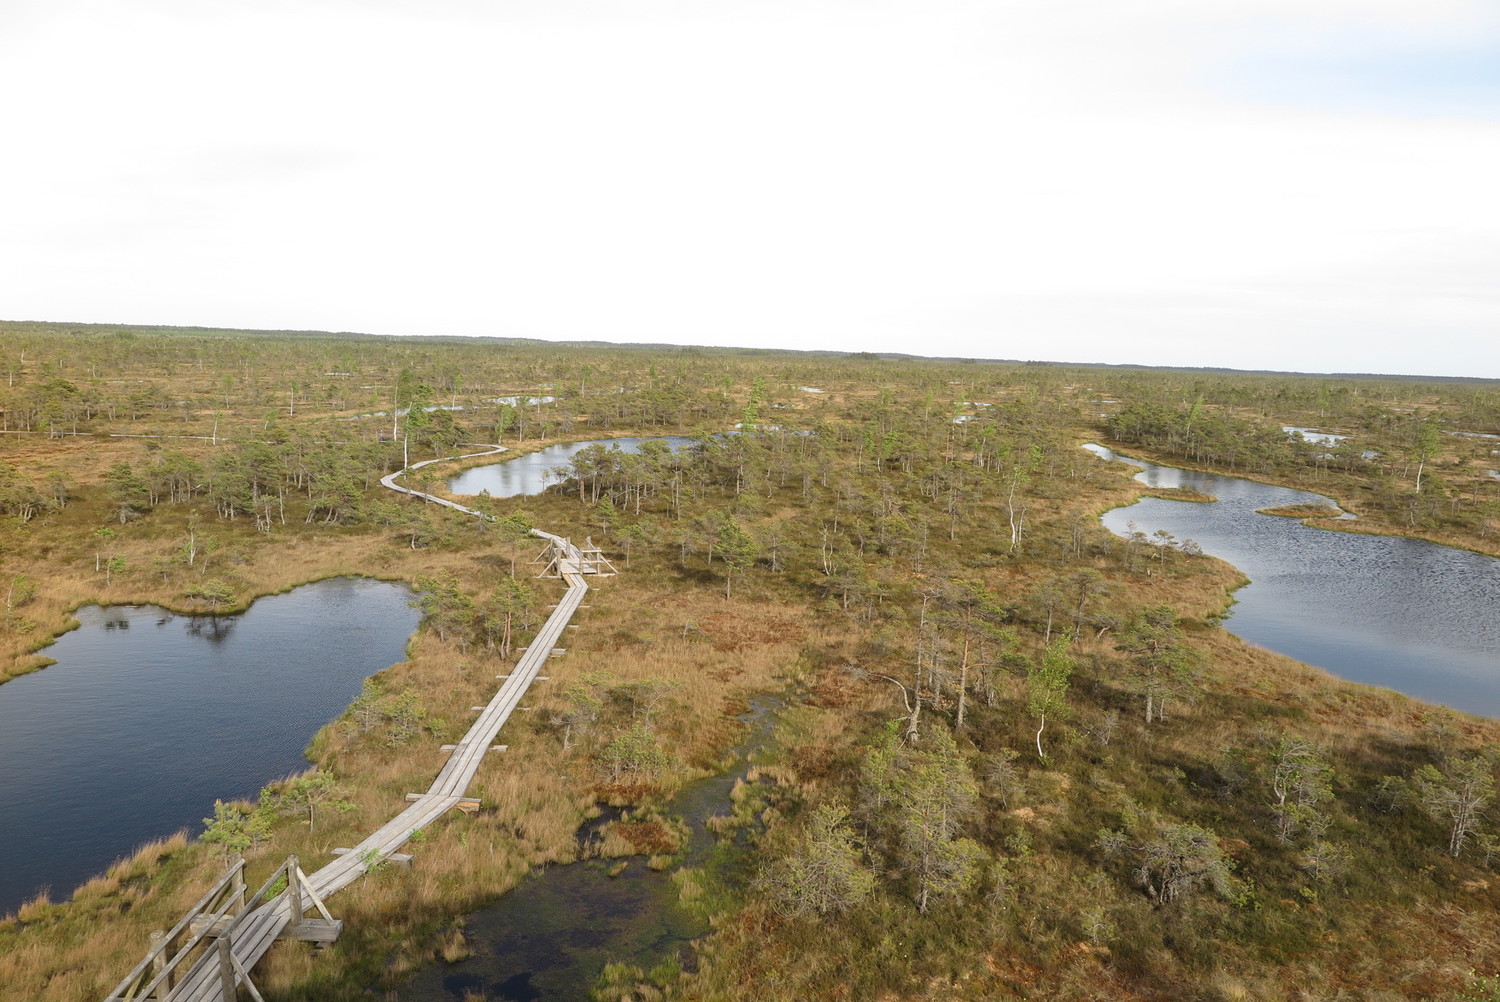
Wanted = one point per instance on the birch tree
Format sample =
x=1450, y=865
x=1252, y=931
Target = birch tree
x=1047, y=687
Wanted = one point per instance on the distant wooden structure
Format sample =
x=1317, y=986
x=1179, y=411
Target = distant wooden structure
x=561, y=557
x=227, y=932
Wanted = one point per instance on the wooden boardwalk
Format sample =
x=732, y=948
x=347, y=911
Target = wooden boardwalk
x=238, y=931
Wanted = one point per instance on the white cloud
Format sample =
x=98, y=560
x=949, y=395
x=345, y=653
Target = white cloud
x=936, y=177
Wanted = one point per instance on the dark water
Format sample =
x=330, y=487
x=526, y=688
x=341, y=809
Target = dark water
x=549, y=938
x=148, y=717
x=1408, y=615
x=532, y=473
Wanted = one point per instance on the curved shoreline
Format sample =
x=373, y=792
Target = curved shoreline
x=1359, y=525
x=1289, y=632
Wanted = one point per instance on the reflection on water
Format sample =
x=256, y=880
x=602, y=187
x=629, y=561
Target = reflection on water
x=148, y=717
x=1400, y=613
x=214, y=629
x=532, y=473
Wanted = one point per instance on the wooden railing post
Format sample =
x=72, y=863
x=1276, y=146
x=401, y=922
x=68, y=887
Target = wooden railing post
x=226, y=969
x=294, y=892
x=237, y=885
x=159, y=957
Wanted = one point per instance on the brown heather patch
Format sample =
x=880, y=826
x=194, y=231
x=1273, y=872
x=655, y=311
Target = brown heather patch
x=1301, y=511
x=647, y=838
x=1179, y=494
x=834, y=689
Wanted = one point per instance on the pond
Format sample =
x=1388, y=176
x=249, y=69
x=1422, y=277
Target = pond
x=1400, y=613
x=550, y=937
x=532, y=473
x=519, y=401
x=1313, y=435
x=149, y=716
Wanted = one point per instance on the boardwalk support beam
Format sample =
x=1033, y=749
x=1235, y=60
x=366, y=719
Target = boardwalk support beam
x=300, y=897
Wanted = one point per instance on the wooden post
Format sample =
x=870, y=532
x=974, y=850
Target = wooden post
x=237, y=885
x=159, y=957
x=293, y=892
x=226, y=969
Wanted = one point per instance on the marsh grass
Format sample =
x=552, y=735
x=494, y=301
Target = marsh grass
x=1179, y=494
x=1301, y=511
x=1053, y=920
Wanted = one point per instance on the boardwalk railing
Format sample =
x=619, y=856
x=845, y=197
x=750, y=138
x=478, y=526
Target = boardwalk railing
x=243, y=929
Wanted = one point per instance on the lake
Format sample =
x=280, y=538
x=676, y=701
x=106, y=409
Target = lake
x=1400, y=613
x=532, y=473
x=148, y=716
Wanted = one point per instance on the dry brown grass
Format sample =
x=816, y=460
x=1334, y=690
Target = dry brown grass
x=1301, y=511
x=81, y=949
x=653, y=624
x=1179, y=494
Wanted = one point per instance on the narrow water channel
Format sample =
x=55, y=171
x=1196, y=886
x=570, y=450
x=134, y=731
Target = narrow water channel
x=550, y=937
x=148, y=716
x=1404, y=614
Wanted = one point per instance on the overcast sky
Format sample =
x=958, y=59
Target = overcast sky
x=1288, y=184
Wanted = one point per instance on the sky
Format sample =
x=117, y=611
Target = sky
x=1303, y=185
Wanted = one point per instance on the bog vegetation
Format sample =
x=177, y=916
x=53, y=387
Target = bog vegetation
x=1025, y=761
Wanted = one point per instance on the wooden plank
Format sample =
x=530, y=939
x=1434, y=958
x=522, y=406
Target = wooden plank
x=212, y=926
x=294, y=894
x=463, y=802
x=315, y=931
x=396, y=858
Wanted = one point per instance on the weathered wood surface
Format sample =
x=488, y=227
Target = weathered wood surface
x=250, y=934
